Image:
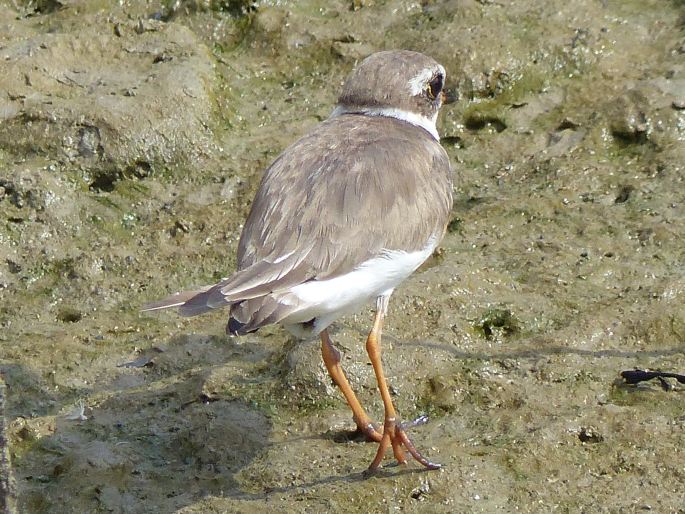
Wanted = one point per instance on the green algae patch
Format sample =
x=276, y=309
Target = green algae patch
x=497, y=322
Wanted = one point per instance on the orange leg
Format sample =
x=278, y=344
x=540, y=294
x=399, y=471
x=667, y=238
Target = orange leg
x=331, y=358
x=393, y=433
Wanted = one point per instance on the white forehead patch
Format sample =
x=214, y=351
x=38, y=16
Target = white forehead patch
x=418, y=83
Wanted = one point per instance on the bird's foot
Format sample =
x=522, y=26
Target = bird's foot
x=395, y=435
x=369, y=430
x=421, y=420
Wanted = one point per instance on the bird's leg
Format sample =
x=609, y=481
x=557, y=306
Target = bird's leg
x=393, y=433
x=331, y=358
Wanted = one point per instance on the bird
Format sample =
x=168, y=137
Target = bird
x=342, y=217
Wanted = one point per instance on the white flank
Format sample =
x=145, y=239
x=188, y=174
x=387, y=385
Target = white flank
x=428, y=124
x=330, y=299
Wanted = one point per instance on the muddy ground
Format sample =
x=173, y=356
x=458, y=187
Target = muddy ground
x=132, y=138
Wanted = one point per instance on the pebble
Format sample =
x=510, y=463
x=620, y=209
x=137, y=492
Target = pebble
x=590, y=435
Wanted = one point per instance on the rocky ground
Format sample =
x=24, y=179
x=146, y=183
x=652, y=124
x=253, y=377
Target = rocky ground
x=132, y=139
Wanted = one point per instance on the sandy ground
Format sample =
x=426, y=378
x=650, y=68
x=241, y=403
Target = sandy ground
x=132, y=138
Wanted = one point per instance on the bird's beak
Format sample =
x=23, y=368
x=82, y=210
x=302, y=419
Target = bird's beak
x=449, y=96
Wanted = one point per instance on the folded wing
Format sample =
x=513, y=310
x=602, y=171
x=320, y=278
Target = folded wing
x=333, y=200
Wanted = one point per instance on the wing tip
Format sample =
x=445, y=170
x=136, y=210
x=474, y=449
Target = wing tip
x=167, y=303
x=175, y=300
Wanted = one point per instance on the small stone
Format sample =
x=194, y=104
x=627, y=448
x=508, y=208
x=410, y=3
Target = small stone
x=624, y=194
x=163, y=57
x=13, y=267
x=352, y=51
x=628, y=120
x=359, y=4
x=420, y=493
x=180, y=226
x=564, y=141
x=590, y=435
x=679, y=104
x=568, y=123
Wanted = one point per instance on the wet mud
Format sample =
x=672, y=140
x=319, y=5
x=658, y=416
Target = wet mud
x=132, y=139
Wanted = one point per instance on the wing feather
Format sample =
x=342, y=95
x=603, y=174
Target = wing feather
x=336, y=198
x=350, y=204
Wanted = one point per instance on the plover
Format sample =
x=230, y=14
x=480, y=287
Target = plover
x=341, y=218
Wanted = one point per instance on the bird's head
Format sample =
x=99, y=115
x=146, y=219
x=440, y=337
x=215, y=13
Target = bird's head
x=399, y=84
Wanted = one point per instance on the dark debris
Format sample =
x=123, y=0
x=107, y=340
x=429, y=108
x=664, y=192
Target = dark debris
x=636, y=376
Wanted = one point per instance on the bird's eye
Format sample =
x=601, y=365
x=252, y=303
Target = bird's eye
x=435, y=86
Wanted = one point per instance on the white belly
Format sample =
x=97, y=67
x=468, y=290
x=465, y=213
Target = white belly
x=326, y=300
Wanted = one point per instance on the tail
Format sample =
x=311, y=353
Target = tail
x=247, y=316
x=180, y=300
x=191, y=303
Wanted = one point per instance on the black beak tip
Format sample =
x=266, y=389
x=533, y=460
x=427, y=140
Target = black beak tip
x=449, y=96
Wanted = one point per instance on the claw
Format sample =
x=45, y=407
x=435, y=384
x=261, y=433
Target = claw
x=414, y=452
x=370, y=431
x=421, y=420
x=394, y=435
